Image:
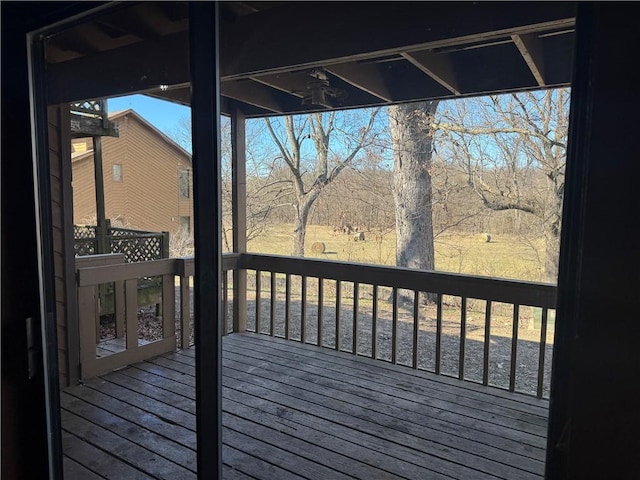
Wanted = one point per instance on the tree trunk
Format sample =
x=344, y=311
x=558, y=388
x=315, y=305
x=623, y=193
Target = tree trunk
x=552, y=235
x=412, y=148
x=300, y=223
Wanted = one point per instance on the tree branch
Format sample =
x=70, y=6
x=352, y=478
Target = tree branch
x=490, y=131
x=286, y=155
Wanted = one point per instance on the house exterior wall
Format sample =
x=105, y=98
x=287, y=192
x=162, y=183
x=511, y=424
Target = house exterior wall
x=84, y=192
x=63, y=263
x=147, y=196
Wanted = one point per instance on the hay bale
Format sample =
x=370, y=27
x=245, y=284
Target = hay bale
x=485, y=237
x=318, y=247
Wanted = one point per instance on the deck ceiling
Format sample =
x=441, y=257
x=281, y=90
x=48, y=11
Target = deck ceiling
x=371, y=53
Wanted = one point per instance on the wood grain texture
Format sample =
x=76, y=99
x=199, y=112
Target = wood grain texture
x=293, y=411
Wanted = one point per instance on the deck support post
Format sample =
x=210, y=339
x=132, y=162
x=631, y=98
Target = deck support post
x=205, y=112
x=239, y=216
x=101, y=223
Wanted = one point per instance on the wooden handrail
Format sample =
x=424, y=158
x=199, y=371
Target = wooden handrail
x=186, y=265
x=466, y=287
x=496, y=289
x=438, y=284
x=126, y=271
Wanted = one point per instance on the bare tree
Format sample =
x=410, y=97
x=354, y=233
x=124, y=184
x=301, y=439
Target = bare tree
x=512, y=150
x=264, y=189
x=336, y=141
x=412, y=141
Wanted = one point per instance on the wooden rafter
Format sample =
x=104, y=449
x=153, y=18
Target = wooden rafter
x=530, y=48
x=437, y=66
x=259, y=95
x=366, y=77
x=408, y=26
x=371, y=69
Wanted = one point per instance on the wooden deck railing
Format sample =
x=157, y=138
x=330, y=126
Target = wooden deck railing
x=185, y=270
x=458, y=325
x=414, y=312
x=97, y=272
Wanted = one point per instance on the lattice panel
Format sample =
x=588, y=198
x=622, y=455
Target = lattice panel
x=90, y=106
x=138, y=249
x=84, y=231
x=85, y=246
x=136, y=245
x=126, y=232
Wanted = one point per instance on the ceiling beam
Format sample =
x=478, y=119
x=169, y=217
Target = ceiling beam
x=437, y=66
x=363, y=76
x=363, y=31
x=181, y=95
x=139, y=67
x=382, y=28
x=259, y=95
x=286, y=82
x=530, y=48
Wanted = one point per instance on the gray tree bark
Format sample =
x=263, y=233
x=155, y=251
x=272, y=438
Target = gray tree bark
x=412, y=139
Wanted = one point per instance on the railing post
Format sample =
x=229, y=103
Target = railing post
x=239, y=217
x=164, y=249
x=168, y=306
x=185, y=303
x=239, y=300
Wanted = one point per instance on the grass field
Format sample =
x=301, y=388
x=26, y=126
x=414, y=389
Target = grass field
x=505, y=256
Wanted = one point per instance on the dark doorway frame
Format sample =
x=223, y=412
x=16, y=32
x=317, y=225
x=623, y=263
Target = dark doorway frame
x=208, y=271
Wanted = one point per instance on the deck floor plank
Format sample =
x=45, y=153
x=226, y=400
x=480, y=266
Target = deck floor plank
x=399, y=378
x=75, y=471
x=145, y=460
x=96, y=460
x=141, y=434
x=404, y=421
x=297, y=424
x=389, y=399
x=294, y=411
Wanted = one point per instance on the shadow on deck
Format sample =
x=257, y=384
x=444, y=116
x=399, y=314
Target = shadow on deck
x=296, y=411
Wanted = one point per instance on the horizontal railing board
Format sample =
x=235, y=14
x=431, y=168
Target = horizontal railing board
x=127, y=271
x=495, y=289
x=132, y=355
x=186, y=265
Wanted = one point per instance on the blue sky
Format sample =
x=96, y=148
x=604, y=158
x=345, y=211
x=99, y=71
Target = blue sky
x=166, y=116
x=160, y=113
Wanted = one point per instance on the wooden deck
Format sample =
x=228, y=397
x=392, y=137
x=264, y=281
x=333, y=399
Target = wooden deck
x=295, y=411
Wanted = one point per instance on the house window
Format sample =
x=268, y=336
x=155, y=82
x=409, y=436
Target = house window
x=185, y=224
x=184, y=183
x=117, y=172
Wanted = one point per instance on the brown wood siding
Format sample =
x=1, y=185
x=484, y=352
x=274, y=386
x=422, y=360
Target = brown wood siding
x=55, y=162
x=147, y=198
x=84, y=192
